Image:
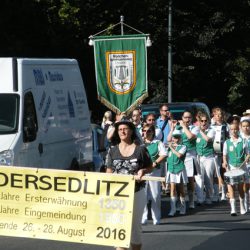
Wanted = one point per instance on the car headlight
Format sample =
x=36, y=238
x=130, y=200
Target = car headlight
x=7, y=157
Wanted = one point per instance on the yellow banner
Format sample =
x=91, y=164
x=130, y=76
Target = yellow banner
x=74, y=206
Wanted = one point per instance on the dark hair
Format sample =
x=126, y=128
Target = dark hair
x=116, y=139
x=151, y=128
x=233, y=118
x=150, y=114
x=162, y=105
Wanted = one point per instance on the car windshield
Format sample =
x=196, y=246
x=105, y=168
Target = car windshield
x=9, y=106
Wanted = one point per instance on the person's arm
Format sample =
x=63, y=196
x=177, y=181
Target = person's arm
x=209, y=136
x=180, y=153
x=108, y=162
x=158, y=133
x=146, y=162
x=162, y=154
x=224, y=157
x=110, y=132
x=225, y=164
x=158, y=161
x=185, y=129
x=108, y=170
x=173, y=124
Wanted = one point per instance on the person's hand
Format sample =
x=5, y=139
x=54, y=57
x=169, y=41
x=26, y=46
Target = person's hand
x=173, y=124
x=120, y=116
x=154, y=164
x=139, y=175
x=109, y=122
x=248, y=158
x=224, y=165
x=182, y=123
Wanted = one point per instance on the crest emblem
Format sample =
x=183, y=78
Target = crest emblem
x=121, y=73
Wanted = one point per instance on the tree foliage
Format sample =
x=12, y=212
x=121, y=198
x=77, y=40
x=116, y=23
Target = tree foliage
x=211, y=42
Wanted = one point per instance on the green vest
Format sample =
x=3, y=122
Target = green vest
x=153, y=152
x=236, y=155
x=203, y=147
x=175, y=164
x=190, y=144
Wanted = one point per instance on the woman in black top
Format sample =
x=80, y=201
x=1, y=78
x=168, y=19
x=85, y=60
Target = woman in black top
x=129, y=158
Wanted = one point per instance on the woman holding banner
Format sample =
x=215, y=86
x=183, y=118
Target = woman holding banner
x=127, y=157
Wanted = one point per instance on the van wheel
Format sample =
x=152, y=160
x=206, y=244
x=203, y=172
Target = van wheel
x=74, y=165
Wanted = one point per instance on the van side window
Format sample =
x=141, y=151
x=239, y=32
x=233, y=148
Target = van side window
x=30, y=126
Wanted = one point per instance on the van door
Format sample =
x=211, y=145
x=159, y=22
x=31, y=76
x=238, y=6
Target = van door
x=31, y=151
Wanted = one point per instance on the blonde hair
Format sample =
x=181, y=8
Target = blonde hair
x=107, y=116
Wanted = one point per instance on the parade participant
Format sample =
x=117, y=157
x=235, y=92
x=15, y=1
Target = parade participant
x=158, y=154
x=196, y=118
x=246, y=115
x=151, y=120
x=234, y=119
x=129, y=158
x=189, y=133
x=106, y=123
x=245, y=134
x=107, y=120
x=176, y=174
x=205, y=151
x=136, y=119
x=234, y=155
x=163, y=122
x=221, y=129
x=111, y=130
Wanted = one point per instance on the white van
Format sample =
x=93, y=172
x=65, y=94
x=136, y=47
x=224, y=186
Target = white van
x=44, y=114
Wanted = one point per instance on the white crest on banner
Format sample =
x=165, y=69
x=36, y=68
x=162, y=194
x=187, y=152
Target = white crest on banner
x=121, y=71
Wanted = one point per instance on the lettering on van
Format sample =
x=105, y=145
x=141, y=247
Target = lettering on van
x=39, y=78
x=41, y=103
x=71, y=106
x=79, y=98
x=46, y=109
x=55, y=76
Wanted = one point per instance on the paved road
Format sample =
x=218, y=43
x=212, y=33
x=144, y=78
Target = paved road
x=208, y=227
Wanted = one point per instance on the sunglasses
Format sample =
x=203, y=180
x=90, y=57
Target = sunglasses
x=164, y=110
x=203, y=120
x=150, y=120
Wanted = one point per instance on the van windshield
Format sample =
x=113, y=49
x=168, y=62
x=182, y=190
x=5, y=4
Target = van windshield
x=9, y=107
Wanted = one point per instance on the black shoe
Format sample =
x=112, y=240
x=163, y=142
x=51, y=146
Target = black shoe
x=233, y=214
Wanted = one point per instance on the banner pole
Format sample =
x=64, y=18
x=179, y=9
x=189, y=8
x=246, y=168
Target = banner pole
x=122, y=20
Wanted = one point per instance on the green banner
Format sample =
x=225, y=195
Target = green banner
x=121, y=71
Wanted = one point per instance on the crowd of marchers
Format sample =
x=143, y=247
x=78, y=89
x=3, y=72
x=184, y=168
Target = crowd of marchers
x=202, y=157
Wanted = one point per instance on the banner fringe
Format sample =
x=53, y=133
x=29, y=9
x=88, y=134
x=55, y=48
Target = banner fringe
x=136, y=103
x=109, y=105
x=127, y=111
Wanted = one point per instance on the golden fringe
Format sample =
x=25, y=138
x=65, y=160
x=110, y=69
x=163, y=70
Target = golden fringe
x=128, y=110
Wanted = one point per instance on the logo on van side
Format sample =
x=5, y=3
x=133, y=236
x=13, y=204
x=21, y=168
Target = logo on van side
x=39, y=78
